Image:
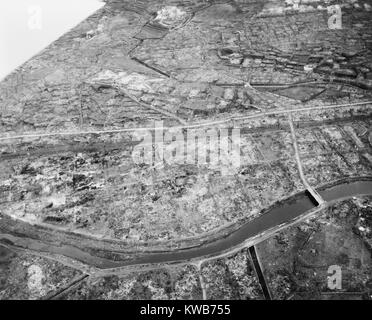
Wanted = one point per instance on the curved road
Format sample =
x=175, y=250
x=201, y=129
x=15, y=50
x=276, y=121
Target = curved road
x=105, y=258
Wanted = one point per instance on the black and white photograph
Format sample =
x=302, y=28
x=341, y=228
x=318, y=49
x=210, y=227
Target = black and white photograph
x=186, y=156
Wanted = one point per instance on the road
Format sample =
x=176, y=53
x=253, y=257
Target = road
x=190, y=126
x=110, y=257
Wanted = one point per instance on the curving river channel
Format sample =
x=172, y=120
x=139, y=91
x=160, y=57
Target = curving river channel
x=280, y=214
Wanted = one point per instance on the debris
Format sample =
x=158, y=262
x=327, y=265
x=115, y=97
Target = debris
x=171, y=16
x=309, y=67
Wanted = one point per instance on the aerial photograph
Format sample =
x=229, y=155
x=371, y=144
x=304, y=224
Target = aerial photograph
x=193, y=150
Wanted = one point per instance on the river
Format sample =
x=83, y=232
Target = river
x=285, y=212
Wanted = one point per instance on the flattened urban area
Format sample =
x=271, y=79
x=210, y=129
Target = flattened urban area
x=104, y=196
